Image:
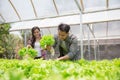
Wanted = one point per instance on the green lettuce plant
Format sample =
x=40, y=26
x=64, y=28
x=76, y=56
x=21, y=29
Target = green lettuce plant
x=27, y=51
x=47, y=40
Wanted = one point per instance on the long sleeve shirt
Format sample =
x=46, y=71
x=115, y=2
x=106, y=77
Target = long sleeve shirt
x=68, y=47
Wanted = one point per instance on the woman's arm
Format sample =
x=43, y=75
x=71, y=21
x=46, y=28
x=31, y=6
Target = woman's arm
x=29, y=43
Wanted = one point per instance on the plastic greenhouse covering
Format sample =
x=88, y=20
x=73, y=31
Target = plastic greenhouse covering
x=96, y=23
x=93, y=22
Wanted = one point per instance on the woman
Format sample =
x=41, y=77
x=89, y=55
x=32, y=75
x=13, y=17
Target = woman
x=34, y=42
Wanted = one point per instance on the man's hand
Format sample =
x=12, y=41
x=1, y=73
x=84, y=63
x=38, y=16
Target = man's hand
x=66, y=57
x=48, y=48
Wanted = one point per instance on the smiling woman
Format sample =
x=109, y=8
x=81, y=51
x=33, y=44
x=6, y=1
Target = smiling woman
x=34, y=42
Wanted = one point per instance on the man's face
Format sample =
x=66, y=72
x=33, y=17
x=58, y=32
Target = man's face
x=62, y=35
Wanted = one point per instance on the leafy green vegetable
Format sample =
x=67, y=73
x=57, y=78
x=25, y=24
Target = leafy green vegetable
x=27, y=51
x=59, y=70
x=47, y=40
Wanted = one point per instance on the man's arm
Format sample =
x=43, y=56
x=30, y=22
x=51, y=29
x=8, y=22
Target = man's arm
x=72, y=51
x=73, y=48
x=66, y=57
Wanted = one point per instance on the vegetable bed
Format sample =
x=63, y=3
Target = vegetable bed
x=59, y=70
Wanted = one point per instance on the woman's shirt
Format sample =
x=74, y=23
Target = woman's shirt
x=37, y=48
x=40, y=51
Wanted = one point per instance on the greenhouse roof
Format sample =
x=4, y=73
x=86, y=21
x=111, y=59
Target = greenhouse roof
x=24, y=14
x=12, y=11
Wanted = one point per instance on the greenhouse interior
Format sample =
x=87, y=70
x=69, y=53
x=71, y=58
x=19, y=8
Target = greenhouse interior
x=95, y=23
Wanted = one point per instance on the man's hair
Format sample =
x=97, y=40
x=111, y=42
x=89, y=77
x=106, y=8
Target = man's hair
x=64, y=27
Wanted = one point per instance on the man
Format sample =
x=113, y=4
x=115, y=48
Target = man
x=66, y=44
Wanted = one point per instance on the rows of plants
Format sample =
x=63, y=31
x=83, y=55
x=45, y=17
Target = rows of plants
x=59, y=70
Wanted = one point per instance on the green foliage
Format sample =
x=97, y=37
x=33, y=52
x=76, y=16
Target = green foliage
x=2, y=50
x=59, y=70
x=4, y=32
x=47, y=40
x=4, y=28
x=10, y=42
x=27, y=51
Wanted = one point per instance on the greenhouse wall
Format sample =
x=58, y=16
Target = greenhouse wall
x=104, y=50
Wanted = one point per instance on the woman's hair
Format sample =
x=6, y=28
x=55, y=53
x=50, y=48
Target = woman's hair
x=64, y=27
x=33, y=37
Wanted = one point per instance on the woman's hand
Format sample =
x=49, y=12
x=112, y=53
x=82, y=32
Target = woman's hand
x=29, y=46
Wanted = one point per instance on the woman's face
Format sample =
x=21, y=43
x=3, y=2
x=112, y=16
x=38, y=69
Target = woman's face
x=36, y=33
x=62, y=35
